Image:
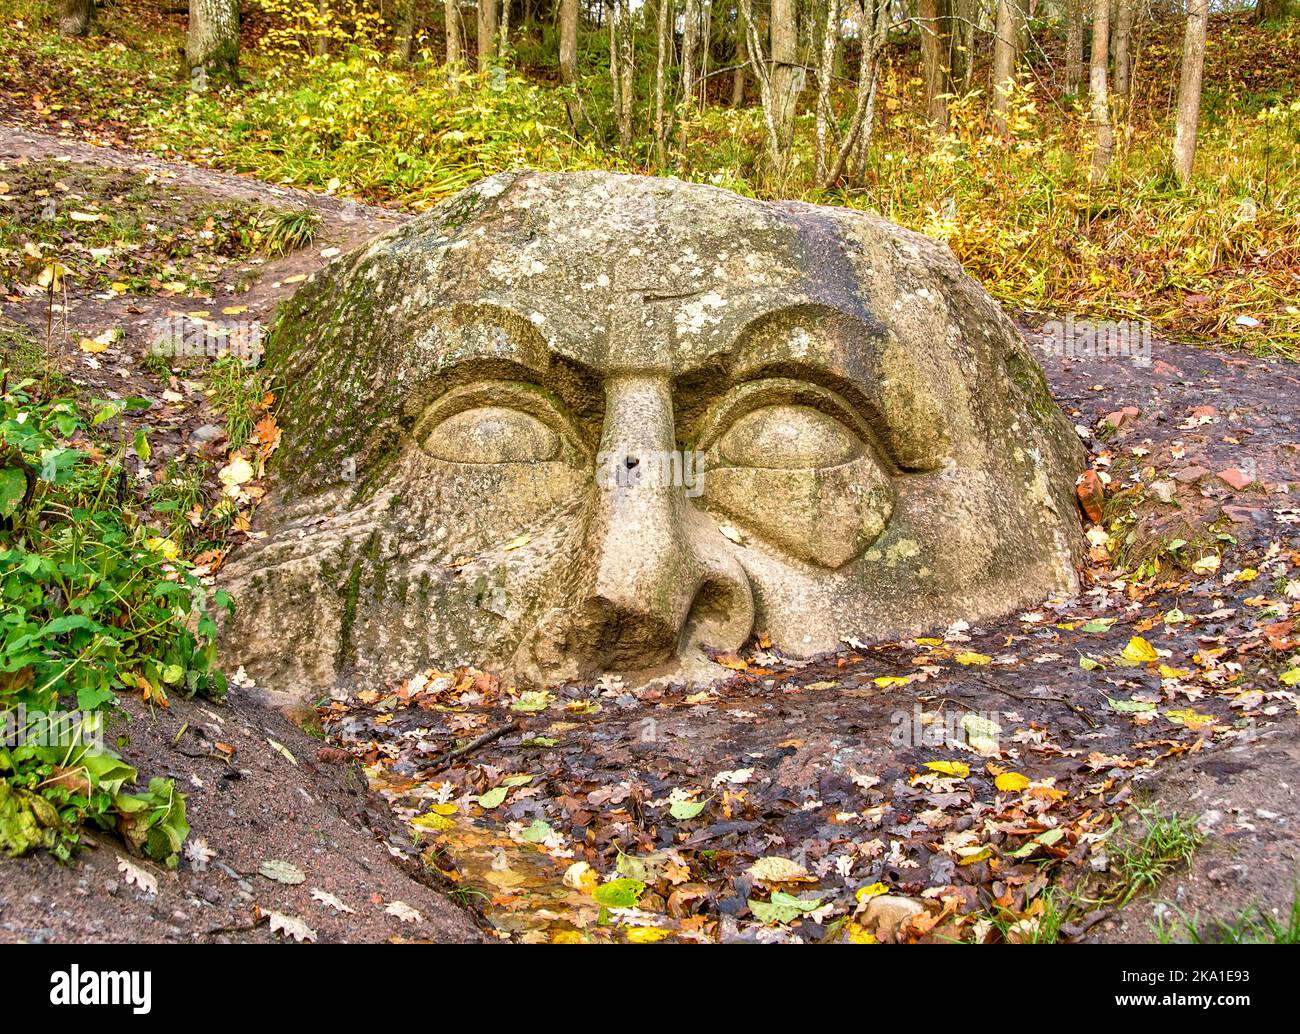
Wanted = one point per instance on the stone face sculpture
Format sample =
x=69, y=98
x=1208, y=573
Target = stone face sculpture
x=579, y=423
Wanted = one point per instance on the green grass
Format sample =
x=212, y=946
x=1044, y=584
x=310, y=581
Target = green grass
x=288, y=230
x=236, y=392
x=1141, y=863
x=1254, y=926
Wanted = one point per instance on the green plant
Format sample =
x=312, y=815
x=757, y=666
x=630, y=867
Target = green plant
x=181, y=493
x=1142, y=862
x=288, y=230
x=236, y=392
x=92, y=603
x=1254, y=926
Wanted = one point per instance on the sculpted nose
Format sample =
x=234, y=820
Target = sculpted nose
x=664, y=579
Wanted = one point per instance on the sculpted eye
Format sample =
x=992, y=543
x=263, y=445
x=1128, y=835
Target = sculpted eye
x=492, y=434
x=785, y=437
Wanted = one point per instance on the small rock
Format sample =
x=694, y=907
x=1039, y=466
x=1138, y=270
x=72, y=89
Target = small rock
x=1164, y=490
x=1189, y=474
x=207, y=433
x=1122, y=417
x=1240, y=514
x=1234, y=478
x=1227, y=874
x=1091, y=494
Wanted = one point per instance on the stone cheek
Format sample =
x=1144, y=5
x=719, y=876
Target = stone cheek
x=570, y=424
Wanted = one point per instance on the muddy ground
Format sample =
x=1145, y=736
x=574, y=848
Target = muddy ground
x=968, y=771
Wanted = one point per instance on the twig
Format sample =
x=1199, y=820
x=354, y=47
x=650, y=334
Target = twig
x=474, y=744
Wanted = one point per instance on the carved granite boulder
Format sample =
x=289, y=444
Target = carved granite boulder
x=580, y=423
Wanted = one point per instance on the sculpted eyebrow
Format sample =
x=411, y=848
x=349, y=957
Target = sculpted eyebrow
x=846, y=354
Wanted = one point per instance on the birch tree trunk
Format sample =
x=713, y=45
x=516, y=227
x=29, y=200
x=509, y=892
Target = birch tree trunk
x=451, y=23
x=1104, y=143
x=873, y=29
x=622, y=68
x=661, y=126
x=825, y=75
x=1189, y=89
x=75, y=17
x=503, y=32
x=212, y=45
x=774, y=151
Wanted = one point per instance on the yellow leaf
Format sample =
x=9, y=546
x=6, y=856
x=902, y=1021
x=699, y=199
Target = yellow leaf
x=1290, y=678
x=971, y=855
x=859, y=935
x=969, y=657
x=892, y=680
x=774, y=869
x=522, y=540
x=1190, y=719
x=434, y=821
x=1167, y=672
x=646, y=934
x=929, y=642
x=950, y=768
x=871, y=890
x=87, y=345
x=567, y=937
x=1139, y=651
x=581, y=876
x=297, y=278
x=234, y=310
x=1011, y=782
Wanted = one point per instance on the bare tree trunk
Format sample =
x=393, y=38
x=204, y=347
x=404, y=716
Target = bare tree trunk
x=406, y=31
x=738, y=79
x=872, y=33
x=690, y=40
x=503, y=34
x=969, y=12
x=825, y=74
x=1123, y=34
x=661, y=126
x=451, y=23
x=1097, y=90
x=1006, y=51
x=1268, y=10
x=322, y=30
x=75, y=17
x=787, y=75
x=622, y=68
x=775, y=153
x=1074, y=45
x=1189, y=89
x=212, y=45
x=568, y=42
x=935, y=17
x=487, y=32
